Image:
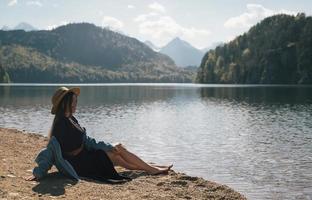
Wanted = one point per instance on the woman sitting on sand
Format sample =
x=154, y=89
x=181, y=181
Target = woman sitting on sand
x=95, y=163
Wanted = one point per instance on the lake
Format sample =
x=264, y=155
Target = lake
x=256, y=139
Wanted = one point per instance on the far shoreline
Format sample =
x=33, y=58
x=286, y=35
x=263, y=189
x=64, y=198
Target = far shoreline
x=195, y=85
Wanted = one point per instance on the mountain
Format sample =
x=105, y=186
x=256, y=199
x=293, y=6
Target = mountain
x=90, y=49
x=212, y=46
x=21, y=26
x=151, y=45
x=182, y=53
x=24, y=64
x=24, y=26
x=278, y=50
x=5, y=28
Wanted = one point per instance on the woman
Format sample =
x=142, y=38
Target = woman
x=95, y=164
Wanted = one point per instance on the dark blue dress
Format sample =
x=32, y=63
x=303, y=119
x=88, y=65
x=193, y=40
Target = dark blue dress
x=94, y=164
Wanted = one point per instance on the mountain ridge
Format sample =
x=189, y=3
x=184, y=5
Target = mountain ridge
x=183, y=53
x=89, y=45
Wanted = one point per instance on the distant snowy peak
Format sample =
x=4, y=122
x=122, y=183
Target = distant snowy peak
x=24, y=26
x=183, y=53
x=151, y=45
x=21, y=26
x=181, y=43
x=5, y=28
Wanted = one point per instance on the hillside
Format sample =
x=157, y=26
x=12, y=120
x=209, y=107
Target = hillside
x=4, y=76
x=27, y=65
x=151, y=45
x=182, y=53
x=90, y=48
x=278, y=50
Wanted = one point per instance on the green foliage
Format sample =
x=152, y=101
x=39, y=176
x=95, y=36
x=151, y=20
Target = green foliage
x=278, y=50
x=4, y=76
x=84, y=53
x=26, y=65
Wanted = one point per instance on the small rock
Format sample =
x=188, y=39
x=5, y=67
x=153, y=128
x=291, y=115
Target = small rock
x=11, y=176
x=13, y=194
x=160, y=183
x=188, y=178
x=182, y=183
x=200, y=185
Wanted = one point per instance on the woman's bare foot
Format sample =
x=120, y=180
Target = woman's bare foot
x=162, y=166
x=30, y=178
x=160, y=170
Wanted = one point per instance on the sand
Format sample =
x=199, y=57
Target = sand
x=18, y=150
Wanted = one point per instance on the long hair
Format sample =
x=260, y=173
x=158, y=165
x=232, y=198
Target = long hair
x=64, y=106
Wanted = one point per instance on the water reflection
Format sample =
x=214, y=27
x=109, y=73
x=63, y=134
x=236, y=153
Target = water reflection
x=27, y=95
x=121, y=95
x=264, y=95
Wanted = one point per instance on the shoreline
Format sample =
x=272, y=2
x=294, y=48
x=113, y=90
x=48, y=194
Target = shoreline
x=19, y=149
x=195, y=85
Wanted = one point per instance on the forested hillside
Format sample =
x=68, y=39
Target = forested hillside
x=278, y=50
x=27, y=65
x=4, y=77
x=85, y=53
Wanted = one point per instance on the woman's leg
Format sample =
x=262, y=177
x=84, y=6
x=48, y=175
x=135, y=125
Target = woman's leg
x=117, y=160
x=134, y=160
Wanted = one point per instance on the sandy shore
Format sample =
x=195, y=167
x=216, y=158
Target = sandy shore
x=18, y=150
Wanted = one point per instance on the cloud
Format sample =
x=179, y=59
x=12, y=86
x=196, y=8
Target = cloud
x=254, y=14
x=34, y=3
x=53, y=26
x=131, y=6
x=12, y=3
x=157, y=7
x=164, y=28
x=112, y=23
x=144, y=17
x=230, y=38
x=100, y=13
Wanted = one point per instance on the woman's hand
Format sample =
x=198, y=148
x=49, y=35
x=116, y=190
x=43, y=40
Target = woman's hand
x=118, y=148
x=31, y=178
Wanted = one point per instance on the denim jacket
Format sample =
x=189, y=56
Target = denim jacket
x=52, y=155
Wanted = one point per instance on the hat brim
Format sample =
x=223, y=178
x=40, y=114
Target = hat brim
x=74, y=90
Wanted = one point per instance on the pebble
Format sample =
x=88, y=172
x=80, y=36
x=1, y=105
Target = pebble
x=11, y=176
x=14, y=194
x=160, y=184
x=181, y=183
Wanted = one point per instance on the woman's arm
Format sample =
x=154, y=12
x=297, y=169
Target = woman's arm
x=44, y=162
x=52, y=155
x=91, y=143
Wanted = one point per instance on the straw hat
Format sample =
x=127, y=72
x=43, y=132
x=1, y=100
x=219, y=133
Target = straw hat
x=59, y=94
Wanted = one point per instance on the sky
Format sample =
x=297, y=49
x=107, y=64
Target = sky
x=199, y=22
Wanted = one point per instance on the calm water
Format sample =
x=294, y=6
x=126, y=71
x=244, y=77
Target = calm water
x=256, y=139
